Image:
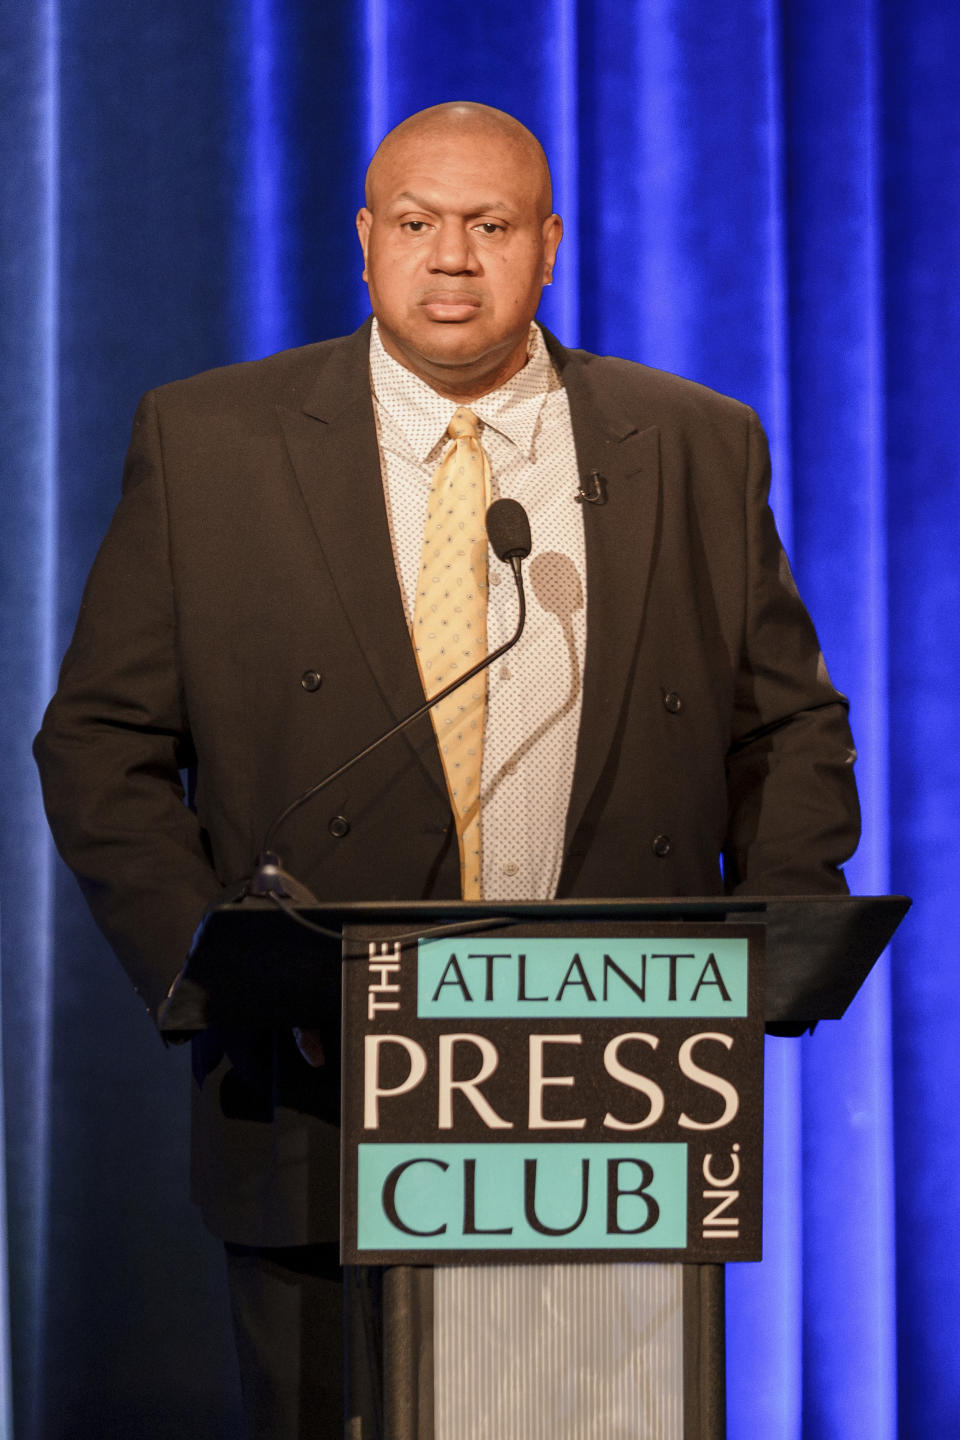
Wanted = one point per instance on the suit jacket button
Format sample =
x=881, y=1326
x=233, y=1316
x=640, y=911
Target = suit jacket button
x=339, y=826
x=311, y=680
x=661, y=845
x=672, y=702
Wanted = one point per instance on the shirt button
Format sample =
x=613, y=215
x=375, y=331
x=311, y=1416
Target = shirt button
x=672, y=702
x=505, y=672
x=511, y=868
x=495, y=577
x=661, y=845
x=339, y=826
x=311, y=680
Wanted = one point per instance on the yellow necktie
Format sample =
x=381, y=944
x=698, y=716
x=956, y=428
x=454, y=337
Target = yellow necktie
x=450, y=628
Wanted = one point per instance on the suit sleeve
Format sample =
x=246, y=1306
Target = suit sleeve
x=793, y=813
x=116, y=737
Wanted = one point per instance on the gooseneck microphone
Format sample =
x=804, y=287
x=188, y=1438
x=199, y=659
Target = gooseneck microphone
x=508, y=530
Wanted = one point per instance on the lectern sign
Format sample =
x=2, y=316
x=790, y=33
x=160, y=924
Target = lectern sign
x=595, y=1093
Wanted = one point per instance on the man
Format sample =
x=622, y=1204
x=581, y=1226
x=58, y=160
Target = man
x=250, y=617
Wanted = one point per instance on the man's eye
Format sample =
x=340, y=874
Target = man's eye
x=414, y=226
x=489, y=228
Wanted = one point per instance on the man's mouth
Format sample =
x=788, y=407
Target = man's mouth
x=450, y=305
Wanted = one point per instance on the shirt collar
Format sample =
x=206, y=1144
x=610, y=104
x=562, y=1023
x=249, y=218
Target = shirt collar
x=513, y=409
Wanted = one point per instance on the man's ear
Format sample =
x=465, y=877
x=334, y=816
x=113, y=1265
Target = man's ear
x=552, y=234
x=364, y=221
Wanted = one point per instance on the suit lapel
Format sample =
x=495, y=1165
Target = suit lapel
x=619, y=542
x=332, y=444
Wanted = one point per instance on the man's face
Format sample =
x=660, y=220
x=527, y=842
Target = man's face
x=456, y=249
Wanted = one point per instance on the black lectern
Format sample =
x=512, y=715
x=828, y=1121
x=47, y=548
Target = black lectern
x=540, y=1097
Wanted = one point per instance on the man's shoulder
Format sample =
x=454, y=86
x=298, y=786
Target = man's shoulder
x=286, y=378
x=651, y=395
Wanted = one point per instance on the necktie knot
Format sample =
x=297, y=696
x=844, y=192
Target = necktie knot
x=464, y=425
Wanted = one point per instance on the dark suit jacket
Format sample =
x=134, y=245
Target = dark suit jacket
x=251, y=547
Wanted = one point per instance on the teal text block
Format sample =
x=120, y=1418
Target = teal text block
x=522, y=1196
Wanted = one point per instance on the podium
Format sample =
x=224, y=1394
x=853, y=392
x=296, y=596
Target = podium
x=610, y=1044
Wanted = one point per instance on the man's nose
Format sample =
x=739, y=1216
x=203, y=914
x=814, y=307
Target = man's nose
x=452, y=251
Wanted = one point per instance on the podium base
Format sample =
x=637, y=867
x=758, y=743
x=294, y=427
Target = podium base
x=553, y=1352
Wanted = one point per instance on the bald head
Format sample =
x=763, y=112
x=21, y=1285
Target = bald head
x=460, y=121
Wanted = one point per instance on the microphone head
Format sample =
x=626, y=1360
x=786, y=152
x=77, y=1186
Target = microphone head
x=508, y=529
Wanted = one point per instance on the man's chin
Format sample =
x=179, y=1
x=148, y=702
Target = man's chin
x=452, y=343
x=449, y=356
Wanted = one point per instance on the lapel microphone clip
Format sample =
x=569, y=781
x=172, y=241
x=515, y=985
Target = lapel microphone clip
x=592, y=491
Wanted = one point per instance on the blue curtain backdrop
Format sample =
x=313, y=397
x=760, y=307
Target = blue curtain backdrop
x=762, y=195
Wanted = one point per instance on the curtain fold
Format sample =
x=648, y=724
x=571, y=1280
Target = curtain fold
x=29, y=386
x=921, y=141
x=761, y=196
